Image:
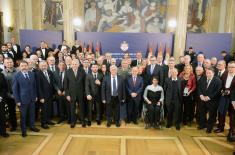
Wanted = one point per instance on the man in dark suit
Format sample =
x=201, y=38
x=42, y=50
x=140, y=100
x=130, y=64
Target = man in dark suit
x=138, y=59
x=231, y=134
x=16, y=48
x=86, y=66
x=93, y=93
x=199, y=61
x=228, y=83
x=154, y=70
x=5, y=52
x=25, y=93
x=45, y=81
x=107, y=60
x=77, y=47
x=173, y=99
x=113, y=94
x=134, y=86
x=209, y=91
x=167, y=69
x=3, y=95
x=63, y=46
x=227, y=57
x=43, y=50
x=74, y=91
x=221, y=69
x=63, y=105
x=191, y=53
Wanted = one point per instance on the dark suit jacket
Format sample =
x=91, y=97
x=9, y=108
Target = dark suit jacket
x=58, y=81
x=105, y=62
x=224, y=78
x=91, y=88
x=213, y=90
x=168, y=90
x=74, y=86
x=137, y=88
x=8, y=54
x=74, y=49
x=45, y=89
x=3, y=86
x=156, y=72
x=134, y=63
x=24, y=91
x=46, y=53
x=106, y=89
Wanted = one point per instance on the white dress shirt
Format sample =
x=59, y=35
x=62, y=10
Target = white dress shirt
x=229, y=81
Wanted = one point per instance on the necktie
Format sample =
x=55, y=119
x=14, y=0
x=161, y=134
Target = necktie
x=219, y=73
x=52, y=68
x=95, y=76
x=47, y=77
x=208, y=83
x=75, y=73
x=26, y=76
x=134, y=80
x=61, y=79
x=114, y=87
x=151, y=69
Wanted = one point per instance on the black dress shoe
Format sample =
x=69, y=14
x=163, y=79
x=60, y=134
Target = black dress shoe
x=168, y=126
x=34, y=129
x=89, y=123
x=177, y=127
x=135, y=122
x=219, y=130
x=108, y=124
x=45, y=126
x=60, y=121
x=13, y=129
x=84, y=124
x=72, y=125
x=5, y=135
x=200, y=128
x=208, y=131
x=24, y=134
x=51, y=123
x=118, y=124
x=98, y=122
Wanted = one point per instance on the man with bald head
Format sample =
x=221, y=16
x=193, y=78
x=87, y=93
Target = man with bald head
x=74, y=85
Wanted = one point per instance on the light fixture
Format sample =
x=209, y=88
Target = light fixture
x=77, y=22
x=172, y=23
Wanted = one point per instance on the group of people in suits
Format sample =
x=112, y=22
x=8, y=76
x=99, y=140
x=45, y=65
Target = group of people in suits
x=79, y=86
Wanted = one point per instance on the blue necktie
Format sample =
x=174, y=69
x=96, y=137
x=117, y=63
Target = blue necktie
x=114, y=87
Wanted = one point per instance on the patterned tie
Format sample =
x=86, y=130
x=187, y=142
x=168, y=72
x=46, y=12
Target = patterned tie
x=26, y=76
x=134, y=80
x=47, y=77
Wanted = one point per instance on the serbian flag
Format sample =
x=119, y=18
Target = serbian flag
x=98, y=49
x=149, y=52
x=160, y=50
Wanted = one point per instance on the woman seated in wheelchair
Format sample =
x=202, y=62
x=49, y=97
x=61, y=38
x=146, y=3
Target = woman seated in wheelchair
x=153, y=97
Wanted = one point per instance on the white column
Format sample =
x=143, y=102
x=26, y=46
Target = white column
x=68, y=22
x=223, y=6
x=181, y=29
x=28, y=14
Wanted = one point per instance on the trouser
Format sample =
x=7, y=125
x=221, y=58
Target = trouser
x=97, y=104
x=133, y=108
x=46, y=111
x=12, y=112
x=23, y=114
x=204, y=108
x=153, y=114
x=188, y=112
x=113, y=110
x=232, y=118
x=2, y=118
x=73, y=107
x=173, y=113
x=63, y=107
x=222, y=111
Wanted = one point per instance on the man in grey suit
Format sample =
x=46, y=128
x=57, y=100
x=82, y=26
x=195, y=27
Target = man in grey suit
x=74, y=83
x=113, y=94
